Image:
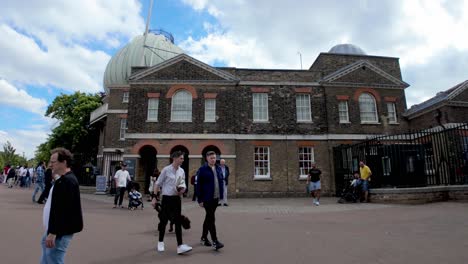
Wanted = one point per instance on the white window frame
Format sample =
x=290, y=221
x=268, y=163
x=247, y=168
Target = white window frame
x=181, y=107
x=392, y=115
x=210, y=110
x=368, y=108
x=260, y=107
x=123, y=128
x=343, y=112
x=303, y=111
x=306, y=158
x=125, y=97
x=153, y=109
x=262, y=164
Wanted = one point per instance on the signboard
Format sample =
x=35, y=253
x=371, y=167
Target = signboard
x=101, y=184
x=131, y=162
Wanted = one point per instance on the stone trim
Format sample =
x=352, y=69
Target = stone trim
x=260, y=90
x=342, y=97
x=249, y=136
x=175, y=88
x=210, y=95
x=153, y=95
x=307, y=90
x=360, y=91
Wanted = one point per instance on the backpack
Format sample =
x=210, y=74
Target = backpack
x=27, y=173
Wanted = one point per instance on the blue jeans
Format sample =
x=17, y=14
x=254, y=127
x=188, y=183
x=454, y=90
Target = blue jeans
x=39, y=185
x=56, y=254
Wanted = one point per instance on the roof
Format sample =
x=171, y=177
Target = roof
x=437, y=100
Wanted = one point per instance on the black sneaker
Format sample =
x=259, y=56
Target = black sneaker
x=205, y=242
x=217, y=245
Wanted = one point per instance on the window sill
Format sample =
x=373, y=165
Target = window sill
x=262, y=178
x=345, y=122
x=393, y=123
x=305, y=122
x=151, y=121
x=370, y=123
x=302, y=177
x=209, y=121
x=180, y=121
x=261, y=122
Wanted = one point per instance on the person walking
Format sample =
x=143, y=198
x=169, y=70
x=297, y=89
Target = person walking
x=48, y=185
x=121, y=178
x=365, y=173
x=39, y=180
x=172, y=184
x=313, y=180
x=210, y=191
x=62, y=214
x=225, y=171
x=11, y=177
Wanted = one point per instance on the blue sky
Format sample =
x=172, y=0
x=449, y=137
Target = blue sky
x=51, y=47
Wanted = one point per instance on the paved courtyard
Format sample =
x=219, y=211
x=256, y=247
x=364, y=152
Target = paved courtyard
x=289, y=230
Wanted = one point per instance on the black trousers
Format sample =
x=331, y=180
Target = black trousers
x=171, y=208
x=209, y=223
x=119, y=195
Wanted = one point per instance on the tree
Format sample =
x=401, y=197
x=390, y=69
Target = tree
x=8, y=155
x=73, y=131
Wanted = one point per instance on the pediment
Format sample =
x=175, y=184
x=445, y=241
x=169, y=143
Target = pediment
x=362, y=73
x=182, y=68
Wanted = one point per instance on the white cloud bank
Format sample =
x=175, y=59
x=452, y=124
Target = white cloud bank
x=428, y=36
x=57, y=46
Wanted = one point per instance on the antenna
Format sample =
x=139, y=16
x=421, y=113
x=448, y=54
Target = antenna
x=146, y=33
x=300, y=58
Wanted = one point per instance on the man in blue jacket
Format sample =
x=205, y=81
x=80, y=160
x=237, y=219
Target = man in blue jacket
x=210, y=188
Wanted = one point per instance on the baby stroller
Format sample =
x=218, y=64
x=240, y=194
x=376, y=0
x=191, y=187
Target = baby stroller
x=351, y=192
x=135, y=199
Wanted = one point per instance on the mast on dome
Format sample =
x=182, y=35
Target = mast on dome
x=142, y=63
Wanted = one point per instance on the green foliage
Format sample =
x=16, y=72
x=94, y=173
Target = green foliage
x=8, y=156
x=73, y=131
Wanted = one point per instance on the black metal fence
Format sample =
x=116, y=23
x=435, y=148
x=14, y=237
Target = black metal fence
x=436, y=156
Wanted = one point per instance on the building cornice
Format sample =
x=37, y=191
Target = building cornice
x=163, y=136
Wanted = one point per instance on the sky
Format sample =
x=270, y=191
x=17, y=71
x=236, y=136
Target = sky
x=54, y=47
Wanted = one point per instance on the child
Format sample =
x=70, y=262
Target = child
x=134, y=199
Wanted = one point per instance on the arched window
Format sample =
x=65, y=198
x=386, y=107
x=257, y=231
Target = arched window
x=181, y=107
x=368, y=108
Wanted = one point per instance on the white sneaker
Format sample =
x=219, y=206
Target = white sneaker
x=317, y=203
x=315, y=200
x=160, y=246
x=183, y=249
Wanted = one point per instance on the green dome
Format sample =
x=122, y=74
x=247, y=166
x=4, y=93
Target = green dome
x=158, y=48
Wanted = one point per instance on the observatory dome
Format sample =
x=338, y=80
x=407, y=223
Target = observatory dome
x=157, y=48
x=347, y=49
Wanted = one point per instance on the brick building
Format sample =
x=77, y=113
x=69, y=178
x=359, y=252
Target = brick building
x=269, y=124
x=447, y=107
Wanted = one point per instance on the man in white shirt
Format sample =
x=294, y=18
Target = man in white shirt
x=121, y=178
x=172, y=184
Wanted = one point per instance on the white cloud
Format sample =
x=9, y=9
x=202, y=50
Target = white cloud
x=54, y=43
x=76, y=21
x=268, y=34
x=24, y=140
x=10, y=96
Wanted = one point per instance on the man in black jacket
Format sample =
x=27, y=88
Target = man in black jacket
x=62, y=215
